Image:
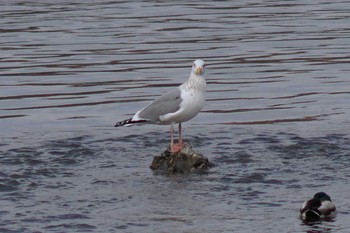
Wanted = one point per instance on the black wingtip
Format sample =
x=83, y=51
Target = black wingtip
x=124, y=122
x=128, y=122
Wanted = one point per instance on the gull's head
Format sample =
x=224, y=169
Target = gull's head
x=198, y=67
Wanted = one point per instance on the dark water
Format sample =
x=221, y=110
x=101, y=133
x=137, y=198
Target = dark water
x=276, y=123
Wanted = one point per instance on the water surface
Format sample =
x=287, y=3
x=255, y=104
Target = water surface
x=276, y=121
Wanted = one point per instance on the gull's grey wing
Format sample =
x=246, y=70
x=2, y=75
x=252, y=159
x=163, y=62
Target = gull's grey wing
x=167, y=103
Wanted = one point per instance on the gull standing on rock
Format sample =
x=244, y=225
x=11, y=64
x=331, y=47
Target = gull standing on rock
x=178, y=105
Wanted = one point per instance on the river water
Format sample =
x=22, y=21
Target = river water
x=276, y=121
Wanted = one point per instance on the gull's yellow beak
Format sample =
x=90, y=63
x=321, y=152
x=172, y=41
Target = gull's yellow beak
x=199, y=70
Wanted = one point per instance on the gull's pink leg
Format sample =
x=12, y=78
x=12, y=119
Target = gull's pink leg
x=171, y=136
x=180, y=135
x=175, y=147
x=178, y=146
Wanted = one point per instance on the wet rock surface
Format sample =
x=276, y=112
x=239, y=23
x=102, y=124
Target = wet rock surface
x=184, y=161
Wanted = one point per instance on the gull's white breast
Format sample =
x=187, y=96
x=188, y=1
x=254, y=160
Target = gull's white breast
x=193, y=100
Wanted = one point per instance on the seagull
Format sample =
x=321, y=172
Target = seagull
x=319, y=207
x=178, y=105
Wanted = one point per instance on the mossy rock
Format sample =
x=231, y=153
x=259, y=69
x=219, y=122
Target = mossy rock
x=184, y=161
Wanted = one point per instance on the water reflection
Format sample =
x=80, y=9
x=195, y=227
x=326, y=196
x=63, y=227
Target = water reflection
x=319, y=227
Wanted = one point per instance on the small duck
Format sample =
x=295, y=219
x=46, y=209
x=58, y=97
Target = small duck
x=317, y=208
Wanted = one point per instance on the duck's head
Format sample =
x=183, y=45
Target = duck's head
x=322, y=196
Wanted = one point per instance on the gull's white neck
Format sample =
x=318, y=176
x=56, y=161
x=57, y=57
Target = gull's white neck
x=196, y=82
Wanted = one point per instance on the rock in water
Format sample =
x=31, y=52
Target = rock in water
x=184, y=161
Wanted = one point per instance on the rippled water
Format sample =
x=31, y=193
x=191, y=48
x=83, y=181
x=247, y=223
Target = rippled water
x=276, y=122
